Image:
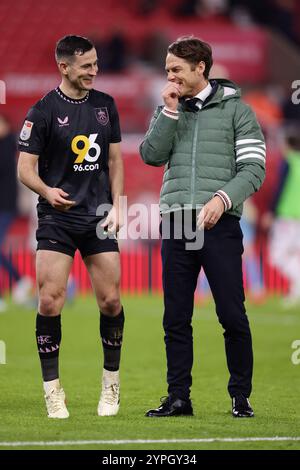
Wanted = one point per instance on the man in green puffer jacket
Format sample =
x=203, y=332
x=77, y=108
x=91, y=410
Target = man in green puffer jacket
x=214, y=156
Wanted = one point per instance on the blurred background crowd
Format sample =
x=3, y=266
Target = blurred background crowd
x=255, y=43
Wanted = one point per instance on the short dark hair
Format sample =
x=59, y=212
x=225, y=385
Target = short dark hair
x=70, y=46
x=193, y=50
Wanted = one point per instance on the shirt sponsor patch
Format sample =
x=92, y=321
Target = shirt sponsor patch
x=26, y=130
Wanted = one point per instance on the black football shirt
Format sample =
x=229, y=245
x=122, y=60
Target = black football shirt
x=72, y=140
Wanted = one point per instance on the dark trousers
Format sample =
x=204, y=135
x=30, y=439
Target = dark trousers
x=6, y=220
x=221, y=259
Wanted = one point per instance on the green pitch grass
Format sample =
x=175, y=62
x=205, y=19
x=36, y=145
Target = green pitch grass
x=275, y=396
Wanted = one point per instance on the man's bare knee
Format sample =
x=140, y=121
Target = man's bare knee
x=51, y=303
x=110, y=305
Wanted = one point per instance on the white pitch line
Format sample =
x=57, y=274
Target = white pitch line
x=148, y=441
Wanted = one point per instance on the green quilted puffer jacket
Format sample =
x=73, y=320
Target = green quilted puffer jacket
x=218, y=148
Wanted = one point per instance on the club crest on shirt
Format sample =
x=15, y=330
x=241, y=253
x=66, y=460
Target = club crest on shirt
x=102, y=116
x=26, y=130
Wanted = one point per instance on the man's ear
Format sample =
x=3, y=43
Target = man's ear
x=63, y=67
x=200, y=68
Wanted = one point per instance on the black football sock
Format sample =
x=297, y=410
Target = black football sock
x=111, y=332
x=48, y=337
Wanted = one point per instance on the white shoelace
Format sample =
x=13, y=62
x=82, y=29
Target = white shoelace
x=110, y=394
x=56, y=400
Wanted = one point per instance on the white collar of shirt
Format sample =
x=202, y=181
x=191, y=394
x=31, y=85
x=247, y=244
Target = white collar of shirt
x=203, y=94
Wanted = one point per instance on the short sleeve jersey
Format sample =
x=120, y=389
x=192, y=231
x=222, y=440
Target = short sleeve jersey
x=72, y=138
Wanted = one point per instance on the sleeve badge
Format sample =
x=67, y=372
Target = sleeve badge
x=26, y=130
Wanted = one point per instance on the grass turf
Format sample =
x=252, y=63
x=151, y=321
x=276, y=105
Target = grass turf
x=275, y=395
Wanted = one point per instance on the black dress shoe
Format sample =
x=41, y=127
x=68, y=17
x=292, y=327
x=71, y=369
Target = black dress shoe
x=241, y=407
x=171, y=406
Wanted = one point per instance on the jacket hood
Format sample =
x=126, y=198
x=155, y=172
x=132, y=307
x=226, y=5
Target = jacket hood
x=222, y=89
x=226, y=88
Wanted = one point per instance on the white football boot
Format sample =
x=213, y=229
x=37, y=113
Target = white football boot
x=109, y=402
x=56, y=403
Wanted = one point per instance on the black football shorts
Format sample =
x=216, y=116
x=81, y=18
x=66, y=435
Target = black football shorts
x=67, y=240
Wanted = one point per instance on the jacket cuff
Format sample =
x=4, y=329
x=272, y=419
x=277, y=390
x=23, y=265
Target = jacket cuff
x=171, y=114
x=225, y=198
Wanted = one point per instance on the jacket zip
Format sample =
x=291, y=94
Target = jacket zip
x=193, y=177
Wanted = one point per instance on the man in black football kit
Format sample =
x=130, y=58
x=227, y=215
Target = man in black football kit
x=73, y=133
